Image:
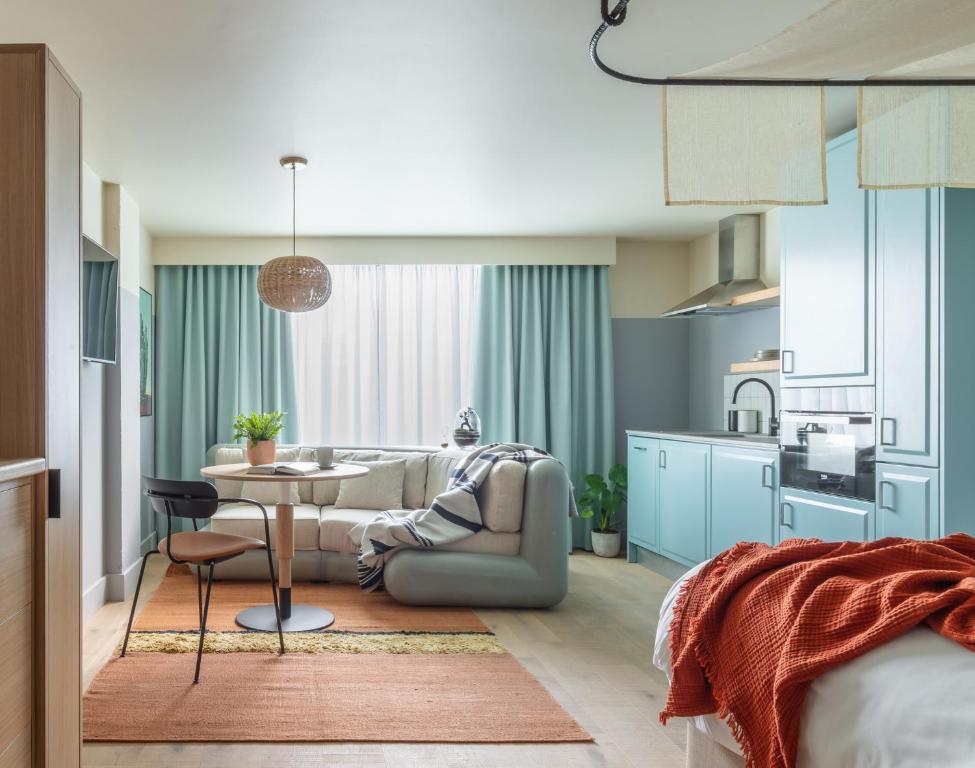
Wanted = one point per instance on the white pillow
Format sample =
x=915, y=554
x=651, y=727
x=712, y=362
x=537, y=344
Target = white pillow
x=382, y=488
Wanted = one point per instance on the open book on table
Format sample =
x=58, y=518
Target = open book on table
x=297, y=468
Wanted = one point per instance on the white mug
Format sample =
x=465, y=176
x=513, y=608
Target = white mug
x=325, y=457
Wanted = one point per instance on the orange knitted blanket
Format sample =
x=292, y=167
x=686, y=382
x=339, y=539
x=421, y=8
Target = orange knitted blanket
x=758, y=624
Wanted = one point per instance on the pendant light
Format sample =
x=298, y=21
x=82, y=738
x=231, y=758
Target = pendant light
x=294, y=283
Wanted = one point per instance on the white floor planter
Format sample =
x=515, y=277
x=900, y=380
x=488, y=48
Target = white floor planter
x=606, y=544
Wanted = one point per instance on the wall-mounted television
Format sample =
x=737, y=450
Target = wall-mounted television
x=99, y=304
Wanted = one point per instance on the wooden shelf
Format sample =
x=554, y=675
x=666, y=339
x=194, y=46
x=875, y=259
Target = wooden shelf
x=767, y=297
x=756, y=366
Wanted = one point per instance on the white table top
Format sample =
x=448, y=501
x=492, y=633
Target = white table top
x=14, y=469
x=239, y=472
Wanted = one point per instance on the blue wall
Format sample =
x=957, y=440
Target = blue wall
x=716, y=342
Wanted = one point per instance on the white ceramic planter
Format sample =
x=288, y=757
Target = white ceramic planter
x=606, y=544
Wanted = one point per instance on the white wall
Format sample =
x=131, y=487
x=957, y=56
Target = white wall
x=111, y=493
x=648, y=278
x=388, y=250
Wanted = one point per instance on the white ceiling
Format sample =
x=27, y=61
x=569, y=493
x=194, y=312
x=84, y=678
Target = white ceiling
x=419, y=117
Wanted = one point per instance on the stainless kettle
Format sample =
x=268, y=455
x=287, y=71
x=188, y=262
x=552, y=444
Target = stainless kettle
x=742, y=420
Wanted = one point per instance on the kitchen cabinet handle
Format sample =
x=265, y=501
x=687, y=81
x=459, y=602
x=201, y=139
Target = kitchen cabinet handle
x=662, y=459
x=790, y=356
x=883, y=496
x=768, y=476
x=639, y=448
x=782, y=521
x=884, y=440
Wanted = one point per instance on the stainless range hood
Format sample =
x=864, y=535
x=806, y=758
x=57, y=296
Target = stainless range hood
x=739, y=265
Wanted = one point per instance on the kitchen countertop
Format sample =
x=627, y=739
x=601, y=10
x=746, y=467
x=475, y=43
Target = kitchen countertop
x=716, y=437
x=13, y=469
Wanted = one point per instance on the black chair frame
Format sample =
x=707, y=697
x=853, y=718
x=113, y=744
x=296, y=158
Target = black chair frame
x=197, y=501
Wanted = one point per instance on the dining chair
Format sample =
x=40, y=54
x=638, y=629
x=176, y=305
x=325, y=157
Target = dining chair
x=197, y=501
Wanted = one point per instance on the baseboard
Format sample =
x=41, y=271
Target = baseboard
x=148, y=543
x=659, y=564
x=121, y=586
x=93, y=598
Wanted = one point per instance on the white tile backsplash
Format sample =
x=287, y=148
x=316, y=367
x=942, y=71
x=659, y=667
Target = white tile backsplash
x=752, y=396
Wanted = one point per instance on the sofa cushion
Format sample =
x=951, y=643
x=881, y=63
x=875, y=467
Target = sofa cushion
x=415, y=479
x=439, y=467
x=502, y=495
x=246, y=520
x=327, y=491
x=382, y=488
x=337, y=522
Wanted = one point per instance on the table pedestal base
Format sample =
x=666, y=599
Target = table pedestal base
x=304, y=618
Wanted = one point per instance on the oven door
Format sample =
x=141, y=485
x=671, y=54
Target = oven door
x=829, y=453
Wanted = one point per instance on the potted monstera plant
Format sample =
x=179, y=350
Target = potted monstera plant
x=602, y=500
x=260, y=429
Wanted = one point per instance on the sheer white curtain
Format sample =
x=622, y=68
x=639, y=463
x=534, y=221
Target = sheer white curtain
x=387, y=361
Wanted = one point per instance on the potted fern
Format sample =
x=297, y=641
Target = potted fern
x=260, y=429
x=602, y=500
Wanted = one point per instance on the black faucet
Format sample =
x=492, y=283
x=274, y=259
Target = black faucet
x=773, y=419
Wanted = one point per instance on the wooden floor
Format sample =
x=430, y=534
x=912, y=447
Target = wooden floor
x=592, y=652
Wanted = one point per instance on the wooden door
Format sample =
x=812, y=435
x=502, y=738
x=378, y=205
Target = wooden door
x=907, y=502
x=827, y=317
x=40, y=248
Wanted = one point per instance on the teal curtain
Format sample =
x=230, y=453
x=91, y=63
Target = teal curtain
x=220, y=352
x=543, y=366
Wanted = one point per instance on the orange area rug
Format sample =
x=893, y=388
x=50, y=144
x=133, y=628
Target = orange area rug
x=378, y=692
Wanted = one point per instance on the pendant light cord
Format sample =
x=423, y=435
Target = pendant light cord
x=294, y=215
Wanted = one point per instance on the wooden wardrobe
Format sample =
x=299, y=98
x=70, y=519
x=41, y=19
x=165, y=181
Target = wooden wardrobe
x=40, y=366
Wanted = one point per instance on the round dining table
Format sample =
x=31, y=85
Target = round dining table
x=294, y=617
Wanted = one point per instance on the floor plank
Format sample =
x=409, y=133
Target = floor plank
x=592, y=653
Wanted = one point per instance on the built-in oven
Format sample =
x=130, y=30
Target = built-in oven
x=827, y=441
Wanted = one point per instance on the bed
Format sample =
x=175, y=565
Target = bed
x=910, y=702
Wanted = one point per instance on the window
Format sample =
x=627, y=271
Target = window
x=387, y=361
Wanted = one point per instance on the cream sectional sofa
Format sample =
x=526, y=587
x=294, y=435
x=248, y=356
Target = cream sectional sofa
x=518, y=560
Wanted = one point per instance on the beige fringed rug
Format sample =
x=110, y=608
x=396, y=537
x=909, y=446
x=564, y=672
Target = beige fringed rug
x=383, y=672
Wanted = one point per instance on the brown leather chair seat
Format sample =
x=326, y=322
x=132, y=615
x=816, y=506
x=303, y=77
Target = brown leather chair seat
x=203, y=546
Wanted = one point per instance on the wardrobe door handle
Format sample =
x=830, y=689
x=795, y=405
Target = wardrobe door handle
x=790, y=366
x=662, y=460
x=768, y=476
x=639, y=448
x=883, y=431
x=882, y=503
x=782, y=521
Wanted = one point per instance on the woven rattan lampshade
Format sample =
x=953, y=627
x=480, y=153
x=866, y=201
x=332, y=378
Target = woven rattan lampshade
x=294, y=283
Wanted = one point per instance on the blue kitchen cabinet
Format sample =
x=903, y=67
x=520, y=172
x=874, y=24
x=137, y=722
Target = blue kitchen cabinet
x=805, y=515
x=744, y=496
x=683, y=497
x=908, y=326
x=641, y=504
x=828, y=285
x=908, y=502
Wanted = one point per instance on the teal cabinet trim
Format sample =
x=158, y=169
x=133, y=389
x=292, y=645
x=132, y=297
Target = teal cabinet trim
x=641, y=505
x=806, y=515
x=744, y=496
x=908, y=326
x=683, y=498
x=827, y=275
x=907, y=502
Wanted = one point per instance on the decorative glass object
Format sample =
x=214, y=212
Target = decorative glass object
x=467, y=428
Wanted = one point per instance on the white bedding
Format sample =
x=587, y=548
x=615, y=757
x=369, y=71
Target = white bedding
x=908, y=703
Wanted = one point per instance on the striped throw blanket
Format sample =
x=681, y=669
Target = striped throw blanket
x=453, y=515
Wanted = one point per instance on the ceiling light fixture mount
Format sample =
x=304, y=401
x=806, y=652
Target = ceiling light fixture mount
x=616, y=16
x=294, y=283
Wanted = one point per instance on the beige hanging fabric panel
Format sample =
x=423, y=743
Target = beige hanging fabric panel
x=743, y=145
x=909, y=136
